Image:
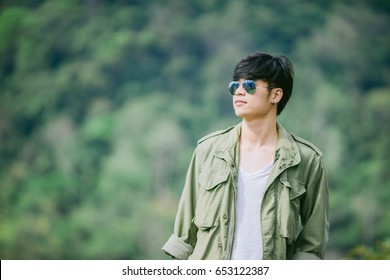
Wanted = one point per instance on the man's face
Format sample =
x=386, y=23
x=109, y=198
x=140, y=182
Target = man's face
x=252, y=106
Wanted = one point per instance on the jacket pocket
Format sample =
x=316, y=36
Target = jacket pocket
x=290, y=198
x=211, y=179
x=205, y=220
x=210, y=196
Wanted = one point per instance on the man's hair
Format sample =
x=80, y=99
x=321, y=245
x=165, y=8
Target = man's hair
x=276, y=70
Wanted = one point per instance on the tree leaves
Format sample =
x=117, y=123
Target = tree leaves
x=101, y=104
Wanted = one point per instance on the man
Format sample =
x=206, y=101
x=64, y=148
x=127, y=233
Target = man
x=254, y=191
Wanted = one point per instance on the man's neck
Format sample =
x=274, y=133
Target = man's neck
x=259, y=133
x=258, y=142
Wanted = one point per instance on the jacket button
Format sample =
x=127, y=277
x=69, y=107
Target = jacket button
x=220, y=245
x=225, y=216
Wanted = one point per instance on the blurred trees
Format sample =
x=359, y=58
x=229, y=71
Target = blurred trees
x=101, y=104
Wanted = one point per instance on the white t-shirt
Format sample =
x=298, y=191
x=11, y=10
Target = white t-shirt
x=248, y=241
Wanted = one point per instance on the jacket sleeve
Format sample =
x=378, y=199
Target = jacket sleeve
x=182, y=242
x=312, y=240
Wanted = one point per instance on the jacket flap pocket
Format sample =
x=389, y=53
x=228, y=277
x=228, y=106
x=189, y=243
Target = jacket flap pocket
x=289, y=208
x=205, y=222
x=211, y=178
x=296, y=188
x=205, y=219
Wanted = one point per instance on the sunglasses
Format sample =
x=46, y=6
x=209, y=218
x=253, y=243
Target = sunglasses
x=249, y=85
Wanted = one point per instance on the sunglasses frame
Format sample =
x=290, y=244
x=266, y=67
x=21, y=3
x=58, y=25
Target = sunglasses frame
x=249, y=86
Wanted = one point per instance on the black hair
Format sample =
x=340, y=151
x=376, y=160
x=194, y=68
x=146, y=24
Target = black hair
x=276, y=70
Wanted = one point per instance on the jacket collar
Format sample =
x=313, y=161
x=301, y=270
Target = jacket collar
x=286, y=155
x=228, y=148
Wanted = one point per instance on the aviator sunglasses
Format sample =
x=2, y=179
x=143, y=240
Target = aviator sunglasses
x=249, y=85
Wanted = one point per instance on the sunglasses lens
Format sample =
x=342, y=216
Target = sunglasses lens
x=249, y=86
x=233, y=86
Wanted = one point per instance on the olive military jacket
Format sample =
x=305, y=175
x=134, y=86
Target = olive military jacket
x=294, y=211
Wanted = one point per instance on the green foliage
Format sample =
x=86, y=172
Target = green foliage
x=380, y=251
x=101, y=104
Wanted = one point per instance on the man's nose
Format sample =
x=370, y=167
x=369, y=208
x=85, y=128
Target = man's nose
x=240, y=91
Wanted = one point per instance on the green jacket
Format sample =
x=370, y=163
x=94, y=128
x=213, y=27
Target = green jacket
x=294, y=211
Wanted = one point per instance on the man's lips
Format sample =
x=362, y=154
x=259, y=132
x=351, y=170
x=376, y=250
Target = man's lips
x=239, y=102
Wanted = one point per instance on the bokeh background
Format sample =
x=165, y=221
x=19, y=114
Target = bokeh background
x=102, y=102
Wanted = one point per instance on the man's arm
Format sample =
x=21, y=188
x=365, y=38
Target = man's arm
x=182, y=242
x=312, y=240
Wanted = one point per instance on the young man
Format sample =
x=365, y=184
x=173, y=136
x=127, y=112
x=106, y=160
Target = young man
x=254, y=191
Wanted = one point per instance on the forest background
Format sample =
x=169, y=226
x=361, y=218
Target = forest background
x=102, y=102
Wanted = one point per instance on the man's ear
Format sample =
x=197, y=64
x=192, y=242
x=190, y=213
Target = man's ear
x=277, y=95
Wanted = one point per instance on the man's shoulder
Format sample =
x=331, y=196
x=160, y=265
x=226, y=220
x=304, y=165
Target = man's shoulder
x=302, y=143
x=214, y=135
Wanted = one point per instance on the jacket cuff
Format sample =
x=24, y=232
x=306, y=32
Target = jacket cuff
x=304, y=256
x=177, y=248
